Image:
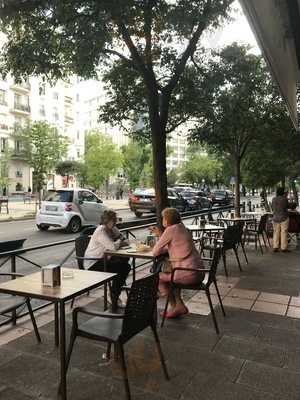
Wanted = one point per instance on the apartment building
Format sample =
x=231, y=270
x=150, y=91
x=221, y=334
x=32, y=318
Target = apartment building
x=34, y=100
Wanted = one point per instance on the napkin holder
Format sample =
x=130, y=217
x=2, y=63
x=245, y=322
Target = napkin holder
x=51, y=275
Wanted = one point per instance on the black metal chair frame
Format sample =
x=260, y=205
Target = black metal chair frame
x=210, y=277
x=117, y=329
x=19, y=301
x=259, y=231
x=231, y=241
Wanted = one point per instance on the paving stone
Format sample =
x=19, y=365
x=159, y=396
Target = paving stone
x=277, y=381
x=251, y=349
x=10, y=393
x=282, y=338
x=292, y=361
x=209, y=388
x=7, y=355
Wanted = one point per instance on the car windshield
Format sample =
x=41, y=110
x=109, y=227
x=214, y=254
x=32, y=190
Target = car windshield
x=144, y=192
x=188, y=194
x=219, y=193
x=62, y=196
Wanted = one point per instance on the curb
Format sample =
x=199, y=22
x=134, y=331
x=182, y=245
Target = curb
x=23, y=218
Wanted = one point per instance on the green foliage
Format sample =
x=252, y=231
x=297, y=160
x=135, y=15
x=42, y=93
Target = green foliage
x=102, y=158
x=43, y=148
x=173, y=176
x=145, y=46
x=135, y=157
x=201, y=167
x=67, y=167
x=4, y=168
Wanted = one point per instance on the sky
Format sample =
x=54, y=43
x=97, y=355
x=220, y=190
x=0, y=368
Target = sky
x=237, y=30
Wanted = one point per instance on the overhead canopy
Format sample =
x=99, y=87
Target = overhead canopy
x=276, y=25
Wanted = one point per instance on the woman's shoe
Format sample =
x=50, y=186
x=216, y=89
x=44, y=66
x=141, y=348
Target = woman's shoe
x=176, y=313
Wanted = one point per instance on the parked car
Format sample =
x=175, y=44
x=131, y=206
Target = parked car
x=220, y=197
x=196, y=200
x=143, y=201
x=69, y=209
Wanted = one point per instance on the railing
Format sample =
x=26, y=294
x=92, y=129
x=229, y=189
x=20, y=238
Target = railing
x=127, y=228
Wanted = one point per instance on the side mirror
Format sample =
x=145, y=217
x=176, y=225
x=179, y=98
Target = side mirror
x=99, y=201
x=80, y=201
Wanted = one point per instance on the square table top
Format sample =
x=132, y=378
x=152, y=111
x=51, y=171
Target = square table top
x=31, y=285
x=236, y=219
x=206, y=227
x=131, y=252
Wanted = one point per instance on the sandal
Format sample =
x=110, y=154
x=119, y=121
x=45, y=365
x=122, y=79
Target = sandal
x=176, y=313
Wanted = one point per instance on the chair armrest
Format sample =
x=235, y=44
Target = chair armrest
x=206, y=258
x=188, y=269
x=95, y=313
x=10, y=274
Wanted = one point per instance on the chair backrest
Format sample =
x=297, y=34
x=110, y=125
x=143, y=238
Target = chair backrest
x=11, y=245
x=214, y=264
x=140, y=310
x=81, y=244
x=262, y=223
x=294, y=223
x=210, y=217
x=231, y=236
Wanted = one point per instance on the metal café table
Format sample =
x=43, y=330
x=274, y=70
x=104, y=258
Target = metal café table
x=236, y=220
x=127, y=252
x=31, y=286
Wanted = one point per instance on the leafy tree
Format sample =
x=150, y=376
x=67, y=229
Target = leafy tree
x=67, y=168
x=43, y=148
x=173, y=175
x=4, y=168
x=238, y=110
x=150, y=42
x=102, y=158
x=201, y=167
x=135, y=156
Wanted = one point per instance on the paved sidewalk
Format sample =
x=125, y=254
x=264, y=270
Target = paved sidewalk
x=18, y=210
x=255, y=357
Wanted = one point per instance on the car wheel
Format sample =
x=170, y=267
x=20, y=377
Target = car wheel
x=138, y=214
x=74, y=225
x=43, y=227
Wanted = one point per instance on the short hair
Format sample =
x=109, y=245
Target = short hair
x=280, y=191
x=171, y=215
x=107, y=216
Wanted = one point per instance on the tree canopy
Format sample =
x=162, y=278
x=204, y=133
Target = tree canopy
x=152, y=41
x=240, y=105
x=102, y=158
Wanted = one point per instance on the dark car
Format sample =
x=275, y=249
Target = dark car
x=196, y=200
x=220, y=197
x=143, y=201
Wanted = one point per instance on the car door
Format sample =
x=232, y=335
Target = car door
x=90, y=206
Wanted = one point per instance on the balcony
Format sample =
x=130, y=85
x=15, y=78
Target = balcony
x=4, y=127
x=3, y=103
x=21, y=108
x=21, y=87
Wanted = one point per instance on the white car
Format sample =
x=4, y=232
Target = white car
x=69, y=209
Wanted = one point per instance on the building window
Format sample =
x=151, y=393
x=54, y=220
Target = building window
x=55, y=114
x=78, y=135
x=17, y=146
x=2, y=97
x=42, y=89
x=55, y=95
x=77, y=96
x=78, y=154
x=3, y=144
x=42, y=110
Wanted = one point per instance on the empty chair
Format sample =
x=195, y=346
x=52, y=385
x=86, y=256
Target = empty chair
x=231, y=240
x=118, y=329
x=259, y=232
x=209, y=278
x=9, y=304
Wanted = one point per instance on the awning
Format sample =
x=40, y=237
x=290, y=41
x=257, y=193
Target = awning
x=276, y=25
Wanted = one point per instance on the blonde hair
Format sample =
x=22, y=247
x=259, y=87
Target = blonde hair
x=171, y=215
x=107, y=216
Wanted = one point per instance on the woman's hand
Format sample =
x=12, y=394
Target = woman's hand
x=155, y=230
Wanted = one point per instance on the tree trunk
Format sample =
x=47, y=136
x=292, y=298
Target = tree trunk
x=295, y=191
x=237, y=186
x=106, y=188
x=265, y=197
x=282, y=181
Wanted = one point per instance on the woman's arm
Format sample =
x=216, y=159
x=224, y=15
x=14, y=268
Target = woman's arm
x=164, y=240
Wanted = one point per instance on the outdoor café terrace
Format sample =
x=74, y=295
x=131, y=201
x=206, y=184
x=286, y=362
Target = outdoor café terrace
x=255, y=356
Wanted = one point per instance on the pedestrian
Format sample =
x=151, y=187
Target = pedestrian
x=121, y=193
x=280, y=207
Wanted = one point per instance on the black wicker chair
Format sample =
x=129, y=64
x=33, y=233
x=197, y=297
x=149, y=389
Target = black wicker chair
x=117, y=329
x=209, y=278
x=231, y=241
x=9, y=304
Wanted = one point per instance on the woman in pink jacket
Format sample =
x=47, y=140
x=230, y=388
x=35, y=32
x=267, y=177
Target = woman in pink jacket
x=178, y=242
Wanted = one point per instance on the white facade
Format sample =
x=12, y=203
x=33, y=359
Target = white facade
x=89, y=96
x=34, y=100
